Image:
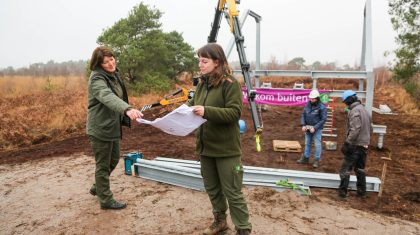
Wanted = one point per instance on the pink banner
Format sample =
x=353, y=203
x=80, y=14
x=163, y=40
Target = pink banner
x=282, y=97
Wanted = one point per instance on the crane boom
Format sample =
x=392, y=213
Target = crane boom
x=239, y=39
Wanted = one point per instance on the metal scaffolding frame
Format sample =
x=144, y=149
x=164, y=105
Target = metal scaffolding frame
x=365, y=74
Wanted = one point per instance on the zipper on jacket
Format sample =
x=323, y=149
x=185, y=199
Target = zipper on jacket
x=201, y=127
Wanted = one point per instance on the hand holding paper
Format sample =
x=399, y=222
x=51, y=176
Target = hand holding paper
x=181, y=121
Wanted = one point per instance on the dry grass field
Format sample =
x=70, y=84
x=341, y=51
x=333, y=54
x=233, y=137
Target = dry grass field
x=36, y=110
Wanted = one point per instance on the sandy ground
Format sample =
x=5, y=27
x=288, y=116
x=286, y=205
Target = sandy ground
x=50, y=196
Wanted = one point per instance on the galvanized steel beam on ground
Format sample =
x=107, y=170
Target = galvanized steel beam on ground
x=165, y=173
x=171, y=173
x=312, y=179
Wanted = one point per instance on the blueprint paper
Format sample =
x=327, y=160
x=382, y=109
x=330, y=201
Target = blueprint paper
x=181, y=121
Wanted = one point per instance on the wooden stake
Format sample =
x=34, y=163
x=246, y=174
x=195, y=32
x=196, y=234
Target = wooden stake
x=385, y=161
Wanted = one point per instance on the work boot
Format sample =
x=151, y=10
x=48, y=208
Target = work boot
x=342, y=197
x=114, y=205
x=361, y=193
x=243, y=232
x=92, y=191
x=342, y=194
x=316, y=164
x=303, y=160
x=219, y=225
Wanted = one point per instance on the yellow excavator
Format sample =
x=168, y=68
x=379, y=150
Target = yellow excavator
x=180, y=95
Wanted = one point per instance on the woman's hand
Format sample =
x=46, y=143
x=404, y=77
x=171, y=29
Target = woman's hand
x=198, y=110
x=133, y=114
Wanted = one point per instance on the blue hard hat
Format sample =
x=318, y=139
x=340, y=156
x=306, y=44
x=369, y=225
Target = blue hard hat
x=347, y=94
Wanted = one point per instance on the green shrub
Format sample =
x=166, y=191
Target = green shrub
x=49, y=86
x=156, y=83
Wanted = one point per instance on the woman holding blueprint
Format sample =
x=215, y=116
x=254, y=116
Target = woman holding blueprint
x=218, y=99
x=108, y=111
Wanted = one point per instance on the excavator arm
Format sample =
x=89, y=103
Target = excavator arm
x=232, y=12
x=180, y=95
x=239, y=39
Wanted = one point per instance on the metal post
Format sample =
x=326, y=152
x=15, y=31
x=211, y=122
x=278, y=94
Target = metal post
x=367, y=59
x=258, y=45
x=239, y=39
x=314, y=81
x=229, y=47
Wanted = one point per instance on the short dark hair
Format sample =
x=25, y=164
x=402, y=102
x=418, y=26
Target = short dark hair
x=350, y=100
x=98, y=56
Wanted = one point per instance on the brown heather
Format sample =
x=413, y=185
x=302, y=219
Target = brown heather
x=36, y=110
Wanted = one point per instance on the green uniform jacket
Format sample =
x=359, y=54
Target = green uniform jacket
x=107, y=101
x=219, y=136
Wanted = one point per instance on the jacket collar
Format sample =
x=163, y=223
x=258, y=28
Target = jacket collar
x=354, y=104
x=107, y=74
x=206, y=80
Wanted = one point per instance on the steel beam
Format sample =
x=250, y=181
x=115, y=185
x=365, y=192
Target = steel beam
x=312, y=179
x=189, y=177
x=170, y=174
x=308, y=73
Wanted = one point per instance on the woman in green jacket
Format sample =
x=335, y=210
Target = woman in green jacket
x=108, y=110
x=218, y=98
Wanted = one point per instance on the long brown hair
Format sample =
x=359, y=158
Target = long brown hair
x=98, y=56
x=215, y=52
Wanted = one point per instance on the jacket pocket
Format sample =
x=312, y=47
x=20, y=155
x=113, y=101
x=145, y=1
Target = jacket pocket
x=125, y=121
x=107, y=123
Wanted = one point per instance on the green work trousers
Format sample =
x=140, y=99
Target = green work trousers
x=222, y=178
x=107, y=155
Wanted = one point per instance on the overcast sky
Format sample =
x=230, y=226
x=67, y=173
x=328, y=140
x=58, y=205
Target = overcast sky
x=324, y=30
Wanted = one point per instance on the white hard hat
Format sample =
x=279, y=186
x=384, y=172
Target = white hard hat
x=314, y=94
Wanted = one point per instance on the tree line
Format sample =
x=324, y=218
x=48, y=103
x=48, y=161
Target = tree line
x=78, y=68
x=51, y=68
x=299, y=63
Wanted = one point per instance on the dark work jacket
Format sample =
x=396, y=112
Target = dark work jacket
x=314, y=116
x=107, y=102
x=219, y=136
x=359, y=125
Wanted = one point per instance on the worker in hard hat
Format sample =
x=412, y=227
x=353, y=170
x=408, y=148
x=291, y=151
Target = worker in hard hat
x=358, y=129
x=312, y=120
